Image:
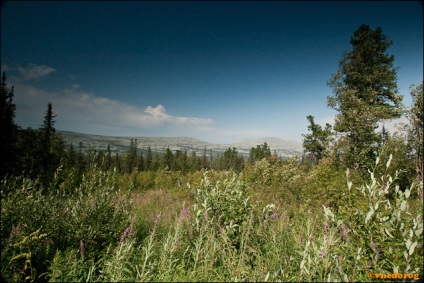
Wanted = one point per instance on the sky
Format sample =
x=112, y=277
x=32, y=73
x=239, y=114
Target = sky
x=218, y=71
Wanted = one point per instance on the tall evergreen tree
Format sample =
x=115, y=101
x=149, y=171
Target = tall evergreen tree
x=365, y=93
x=48, y=129
x=131, y=157
x=52, y=146
x=8, y=128
x=108, y=158
x=140, y=162
x=168, y=159
x=416, y=133
x=318, y=140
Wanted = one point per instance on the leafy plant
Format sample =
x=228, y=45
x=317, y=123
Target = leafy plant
x=225, y=204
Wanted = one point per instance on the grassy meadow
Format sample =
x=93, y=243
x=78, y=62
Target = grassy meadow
x=273, y=221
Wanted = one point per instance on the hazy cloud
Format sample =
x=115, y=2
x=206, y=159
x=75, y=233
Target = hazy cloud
x=157, y=111
x=33, y=71
x=77, y=110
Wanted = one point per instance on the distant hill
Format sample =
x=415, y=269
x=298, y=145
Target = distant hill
x=284, y=148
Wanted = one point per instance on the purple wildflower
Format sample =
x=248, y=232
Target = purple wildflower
x=124, y=235
x=374, y=247
x=275, y=214
x=344, y=231
x=183, y=213
x=322, y=254
x=326, y=226
x=157, y=218
x=82, y=248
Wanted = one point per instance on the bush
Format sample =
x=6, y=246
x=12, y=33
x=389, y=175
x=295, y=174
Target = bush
x=224, y=204
x=94, y=214
x=384, y=236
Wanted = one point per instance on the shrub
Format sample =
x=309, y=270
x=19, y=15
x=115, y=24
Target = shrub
x=385, y=236
x=224, y=204
x=95, y=213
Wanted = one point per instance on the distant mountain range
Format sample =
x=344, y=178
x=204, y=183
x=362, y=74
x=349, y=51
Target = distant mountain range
x=284, y=148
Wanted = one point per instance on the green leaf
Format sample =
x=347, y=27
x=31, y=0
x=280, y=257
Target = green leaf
x=418, y=232
x=387, y=232
x=267, y=277
x=403, y=205
x=412, y=248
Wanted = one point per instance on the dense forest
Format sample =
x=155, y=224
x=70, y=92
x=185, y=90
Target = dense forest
x=349, y=210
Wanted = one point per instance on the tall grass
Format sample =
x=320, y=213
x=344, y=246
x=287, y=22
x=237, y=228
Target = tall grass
x=214, y=231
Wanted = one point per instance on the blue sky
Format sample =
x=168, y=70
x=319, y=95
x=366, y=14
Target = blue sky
x=217, y=71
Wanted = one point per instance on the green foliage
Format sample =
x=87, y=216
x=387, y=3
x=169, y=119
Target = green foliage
x=260, y=152
x=365, y=93
x=318, y=140
x=283, y=180
x=231, y=160
x=416, y=131
x=94, y=213
x=225, y=204
x=384, y=236
x=222, y=236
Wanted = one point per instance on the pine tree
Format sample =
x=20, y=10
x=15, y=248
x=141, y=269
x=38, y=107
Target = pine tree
x=108, y=158
x=365, y=93
x=149, y=159
x=261, y=151
x=48, y=129
x=416, y=133
x=8, y=129
x=318, y=140
x=168, y=159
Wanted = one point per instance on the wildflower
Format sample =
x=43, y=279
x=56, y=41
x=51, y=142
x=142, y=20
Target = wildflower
x=341, y=258
x=344, y=231
x=183, y=211
x=82, y=248
x=374, y=247
x=125, y=235
x=326, y=226
x=206, y=215
x=158, y=218
x=322, y=254
x=275, y=214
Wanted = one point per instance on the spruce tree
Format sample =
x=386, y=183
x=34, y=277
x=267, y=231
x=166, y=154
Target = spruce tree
x=365, y=93
x=318, y=140
x=8, y=128
x=52, y=146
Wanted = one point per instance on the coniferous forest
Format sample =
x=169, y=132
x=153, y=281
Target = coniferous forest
x=349, y=210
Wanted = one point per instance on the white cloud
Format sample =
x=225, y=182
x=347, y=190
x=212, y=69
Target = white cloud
x=157, y=111
x=33, y=71
x=85, y=112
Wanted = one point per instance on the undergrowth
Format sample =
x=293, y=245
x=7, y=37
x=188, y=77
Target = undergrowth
x=212, y=231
